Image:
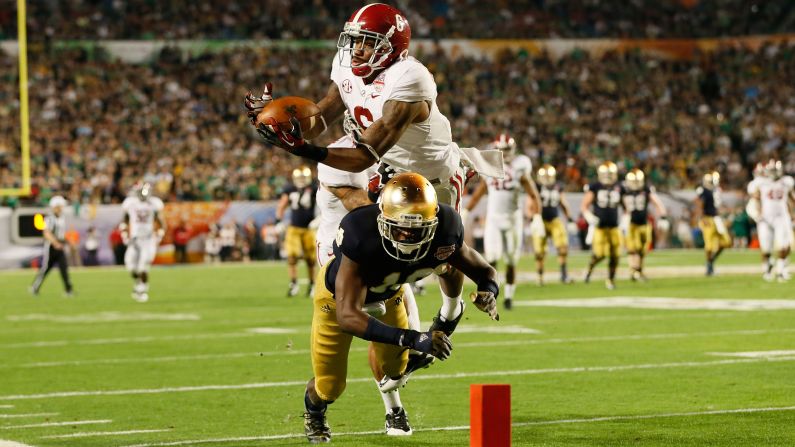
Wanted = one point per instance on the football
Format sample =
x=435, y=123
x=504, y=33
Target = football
x=282, y=109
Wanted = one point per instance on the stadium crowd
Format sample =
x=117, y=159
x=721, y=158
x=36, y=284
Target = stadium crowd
x=284, y=19
x=99, y=125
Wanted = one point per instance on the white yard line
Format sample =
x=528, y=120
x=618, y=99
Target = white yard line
x=6, y=406
x=607, y=338
x=4, y=443
x=122, y=340
x=105, y=317
x=664, y=303
x=755, y=354
x=58, y=424
x=461, y=375
x=29, y=415
x=466, y=427
x=103, y=433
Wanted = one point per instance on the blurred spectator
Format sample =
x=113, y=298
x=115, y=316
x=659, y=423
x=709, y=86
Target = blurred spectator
x=741, y=226
x=477, y=233
x=117, y=244
x=91, y=246
x=181, y=236
x=228, y=239
x=251, y=242
x=270, y=241
x=212, y=246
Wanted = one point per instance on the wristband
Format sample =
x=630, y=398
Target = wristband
x=313, y=152
x=489, y=285
x=383, y=333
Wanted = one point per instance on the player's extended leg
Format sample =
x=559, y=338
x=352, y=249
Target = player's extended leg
x=599, y=249
x=293, y=246
x=391, y=361
x=539, y=249
x=329, y=348
x=512, y=242
x=132, y=260
x=614, y=242
x=783, y=241
x=765, y=234
x=63, y=266
x=560, y=240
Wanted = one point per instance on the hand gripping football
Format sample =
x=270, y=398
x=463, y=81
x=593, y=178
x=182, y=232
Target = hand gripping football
x=282, y=109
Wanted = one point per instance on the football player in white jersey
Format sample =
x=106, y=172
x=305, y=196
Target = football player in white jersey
x=769, y=207
x=142, y=230
x=504, y=218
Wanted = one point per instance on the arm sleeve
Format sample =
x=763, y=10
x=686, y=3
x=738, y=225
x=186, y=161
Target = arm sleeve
x=415, y=84
x=333, y=177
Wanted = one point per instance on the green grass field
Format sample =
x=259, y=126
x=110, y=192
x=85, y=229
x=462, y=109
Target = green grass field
x=187, y=369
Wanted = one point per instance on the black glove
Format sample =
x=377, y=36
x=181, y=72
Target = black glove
x=434, y=343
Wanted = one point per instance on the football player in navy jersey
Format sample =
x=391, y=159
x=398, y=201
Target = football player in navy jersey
x=635, y=197
x=707, y=204
x=605, y=196
x=299, y=240
x=378, y=248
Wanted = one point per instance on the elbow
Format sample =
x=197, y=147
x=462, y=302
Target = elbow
x=346, y=320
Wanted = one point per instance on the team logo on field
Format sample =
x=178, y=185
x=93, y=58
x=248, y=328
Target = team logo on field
x=347, y=86
x=443, y=253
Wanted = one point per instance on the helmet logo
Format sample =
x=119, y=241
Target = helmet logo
x=400, y=22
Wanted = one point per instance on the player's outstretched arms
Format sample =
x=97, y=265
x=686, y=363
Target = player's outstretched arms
x=472, y=264
x=350, y=295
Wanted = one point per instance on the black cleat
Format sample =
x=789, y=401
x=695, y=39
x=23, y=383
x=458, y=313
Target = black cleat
x=315, y=427
x=508, y=303
x=397, y=423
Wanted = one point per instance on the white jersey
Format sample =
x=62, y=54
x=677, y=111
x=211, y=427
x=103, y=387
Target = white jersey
x=753, y=185
x=504, y=194
x=142, y=215
x=774, y=196
x=426, y=147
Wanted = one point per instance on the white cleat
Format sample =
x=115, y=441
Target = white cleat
x=610, y=285
x=768, y=276
x=140, y=297
x=783, y=277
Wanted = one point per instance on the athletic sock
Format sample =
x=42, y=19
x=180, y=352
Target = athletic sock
x=391, y=399
x=452, y=307
x=311, y=407
x=509, y=291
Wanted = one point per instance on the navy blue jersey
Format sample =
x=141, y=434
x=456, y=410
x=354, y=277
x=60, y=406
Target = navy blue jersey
x=550, y=201
x=709, y=207
x=637, y=204
x=605, y=203
x=302, y=204
x=358, y=239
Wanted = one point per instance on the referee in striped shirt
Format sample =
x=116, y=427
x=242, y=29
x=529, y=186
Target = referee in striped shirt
x=54, y=242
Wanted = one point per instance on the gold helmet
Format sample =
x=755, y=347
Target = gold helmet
x=607, y=173
x=546, y=175
x=774, y=169
x=408, y=216
x=711, y=180
x=635, y=179
x=302, y=177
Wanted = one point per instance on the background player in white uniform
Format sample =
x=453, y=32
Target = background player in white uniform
x=142, y=230
x=390, y=102
x=504, y=217
x=769, y=207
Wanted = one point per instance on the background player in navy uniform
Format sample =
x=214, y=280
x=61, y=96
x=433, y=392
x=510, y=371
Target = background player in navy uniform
x=299, y=240
x=716, y=235
x=605, y=196
x=552, y=198
x=54, y=242
x=636, y=196
x=378, y=248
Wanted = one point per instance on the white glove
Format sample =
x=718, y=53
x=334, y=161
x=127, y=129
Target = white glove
x=125, y=235
x=720, y=225
x=591, y=218
x=624, y=224
x=537, y=226
x=589, y=236
x=663, y=224
x=752, y=208
x=571, y=227
x=159, y=234
x=280, y=227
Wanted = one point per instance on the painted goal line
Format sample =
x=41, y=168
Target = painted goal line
x=466, y=427
x=460, y=375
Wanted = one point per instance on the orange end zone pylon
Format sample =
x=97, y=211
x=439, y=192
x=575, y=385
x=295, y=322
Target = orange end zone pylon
x=489, y=415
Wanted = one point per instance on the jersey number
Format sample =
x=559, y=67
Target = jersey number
x=504, y=184
x=363, y=116
x=635, y=203
x=607, y=199
x=392, y=281
x=301, y=199
x=775, y=194
x=550, y=198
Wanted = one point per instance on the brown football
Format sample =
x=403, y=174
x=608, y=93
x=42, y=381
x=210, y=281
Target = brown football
x=282, y=109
